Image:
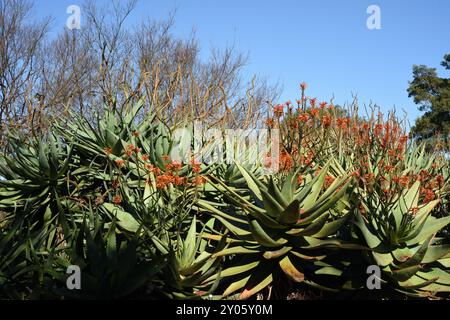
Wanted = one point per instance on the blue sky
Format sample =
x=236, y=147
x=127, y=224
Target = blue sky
x=325, y=43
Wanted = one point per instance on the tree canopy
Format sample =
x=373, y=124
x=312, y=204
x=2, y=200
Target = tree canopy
x=432, y=94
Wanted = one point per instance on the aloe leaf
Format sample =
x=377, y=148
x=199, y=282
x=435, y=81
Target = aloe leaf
x=430, y=227
x=291, y=214
x=276, y=254
x=436, y=252
x=262, y=237
x=251, y=183
x=290, y=270
x=235, y=286
x=124, y=219
x=235, y=250
x=331, y=227
x=418, y=256
x=257, y=282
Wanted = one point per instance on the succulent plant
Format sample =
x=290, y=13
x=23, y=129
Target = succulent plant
x=272, y=228
x=401, y=235
x=191, y=262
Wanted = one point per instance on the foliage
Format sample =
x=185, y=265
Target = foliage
x=112, y=197
x=432, y=94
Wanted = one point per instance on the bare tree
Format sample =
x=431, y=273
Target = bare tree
x=108, y=64
x=20, y=40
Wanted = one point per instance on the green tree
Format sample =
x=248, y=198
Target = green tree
x=432, y=94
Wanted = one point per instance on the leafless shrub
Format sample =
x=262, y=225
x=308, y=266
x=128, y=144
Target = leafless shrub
x=106, y=64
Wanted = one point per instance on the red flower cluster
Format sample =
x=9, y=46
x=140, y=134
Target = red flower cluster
x=278, y=110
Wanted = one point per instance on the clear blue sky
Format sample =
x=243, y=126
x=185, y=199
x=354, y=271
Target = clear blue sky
x=324, y=42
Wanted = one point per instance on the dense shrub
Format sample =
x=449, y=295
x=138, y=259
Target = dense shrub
x=107, y=196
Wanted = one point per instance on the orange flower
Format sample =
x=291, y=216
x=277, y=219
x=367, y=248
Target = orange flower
x=341, y=123
x=404, y=181
x=175, y=166
x=178, y=181
x=107, y=150
x=356, y=173
x=391, y=153
x=199, y=180
x=378, y=129
x=429, y=195
x=299, y=179
x=322, y=105
x=278, y=110
x=365, y=128
x=120, y=163
x=424, y=174
x=431, y=185
x=156, y=170
x=303, y=85
x=326, y=121
x=403, y=139
x=293, y=123
x=303, y=117
x=117, y=200
x=163, y=180
x=369, y=177
x=314, y=112
x=286, y=161
x=145, y=157
x=270, y=122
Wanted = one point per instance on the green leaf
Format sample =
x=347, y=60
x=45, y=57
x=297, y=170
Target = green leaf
x=290, y=270
x=262, y=237
x=124, y=219
x=431, y=227
x=252, y=185
x=256, y=283
x=291, y=214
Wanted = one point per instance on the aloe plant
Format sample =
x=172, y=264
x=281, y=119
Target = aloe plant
x=401, y=235
x=191, y=262
x=111, y=266
x=273, y=228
